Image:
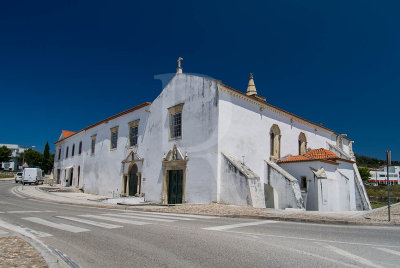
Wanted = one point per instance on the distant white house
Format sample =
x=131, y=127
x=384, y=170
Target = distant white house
x=15, y=163
x=201, y=141
x=379, y=176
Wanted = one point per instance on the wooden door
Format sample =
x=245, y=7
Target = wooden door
x=175, y=186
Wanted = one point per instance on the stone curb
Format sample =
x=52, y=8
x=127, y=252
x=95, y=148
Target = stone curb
x=277, y=218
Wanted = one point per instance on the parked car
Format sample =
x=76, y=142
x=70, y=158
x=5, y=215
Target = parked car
x=32, y=175
x=18, y=177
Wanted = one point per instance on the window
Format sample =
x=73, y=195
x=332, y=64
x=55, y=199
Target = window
x=133, y=132
x=80, y=148
x=175, y=121
x=302, y=143
x=114, y=138
x=73, y=150
x=303, y=183
x=275, y=142
x=339, y=141
x=93, y=145
x=66, y=153
x=59, y=153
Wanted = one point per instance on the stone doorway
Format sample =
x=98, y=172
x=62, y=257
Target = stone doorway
x=134, y=185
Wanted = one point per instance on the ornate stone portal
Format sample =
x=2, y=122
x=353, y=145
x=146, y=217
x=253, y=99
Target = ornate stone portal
x=132, y=174
x=174, y=160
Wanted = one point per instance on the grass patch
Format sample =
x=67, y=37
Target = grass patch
x=377, y=204
x=3, y=176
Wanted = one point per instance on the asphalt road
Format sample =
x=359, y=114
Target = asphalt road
x=94, y=237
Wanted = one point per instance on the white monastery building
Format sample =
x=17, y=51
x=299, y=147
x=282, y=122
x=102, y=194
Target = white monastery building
x=201, y=141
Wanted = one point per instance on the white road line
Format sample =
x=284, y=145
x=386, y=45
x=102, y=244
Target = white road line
x=180, y=215
x=17, y=194
x=312, y=239
x=115, y=219
x=29, y=211
x=60, y=226
x=231, y=226
x=95, y=223
x=350, y=256
x=158, y=216
x=390, y=251
x=139, y=218
x=1, y=212
x=3, y=232
x=36, y=233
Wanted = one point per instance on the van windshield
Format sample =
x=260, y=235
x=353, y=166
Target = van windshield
x=19, y=174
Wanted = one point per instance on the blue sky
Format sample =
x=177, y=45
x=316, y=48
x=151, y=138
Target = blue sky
x=68, y=64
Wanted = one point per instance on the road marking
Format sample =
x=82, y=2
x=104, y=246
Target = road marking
x=95, y=223
x=36, y=233
x=138, y=217
x=350, y=256
x=29, y=211
x=115, y=219
x=390, y=251
x=312, y=239
x=3, y=232
x=158, y=216
x=17, y=194
x=60, y=226
x=231, y=226
x=180, y=215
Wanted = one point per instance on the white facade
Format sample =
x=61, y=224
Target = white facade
x=379, y=176
x=15, y=163
x=220, y=155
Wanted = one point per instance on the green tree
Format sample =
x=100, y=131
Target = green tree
x=47, y=159
x=33, y=158
x=364, y=172
x=5, y=154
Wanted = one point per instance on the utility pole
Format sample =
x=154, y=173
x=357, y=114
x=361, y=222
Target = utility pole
x=387, y=179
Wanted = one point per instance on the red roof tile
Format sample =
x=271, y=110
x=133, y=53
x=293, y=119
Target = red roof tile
x=312, y=155
x=67, y=133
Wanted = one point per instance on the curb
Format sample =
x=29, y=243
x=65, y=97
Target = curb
x=277, y=218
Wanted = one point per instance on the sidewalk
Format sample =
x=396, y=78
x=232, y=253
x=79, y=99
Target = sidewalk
x=70, y=195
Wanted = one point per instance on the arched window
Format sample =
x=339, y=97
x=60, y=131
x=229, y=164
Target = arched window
x=275, y=142
x=80, y=148
x=73, y=150
x=302, y=143
x=66, y=153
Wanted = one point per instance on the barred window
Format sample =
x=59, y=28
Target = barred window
x=175, y=121
x=133, y=133
x=176, y=128
x=114, y=138
x=93, y=145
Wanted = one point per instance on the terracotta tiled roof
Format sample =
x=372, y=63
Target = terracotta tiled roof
x=312, y=155
x=67, y=133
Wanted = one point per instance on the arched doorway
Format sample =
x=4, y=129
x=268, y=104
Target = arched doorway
x=134, y=186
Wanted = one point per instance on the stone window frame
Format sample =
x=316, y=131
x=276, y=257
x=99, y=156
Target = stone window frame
x=302, y=141
x=275, y=140
x=131, y=125
x=93, y=144
x=113, y=130
x=172, y=111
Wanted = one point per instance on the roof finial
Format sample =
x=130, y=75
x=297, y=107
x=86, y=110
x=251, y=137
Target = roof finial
x=251, y=88
x=179, y=69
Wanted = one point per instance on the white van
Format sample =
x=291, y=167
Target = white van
x=32, y=175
